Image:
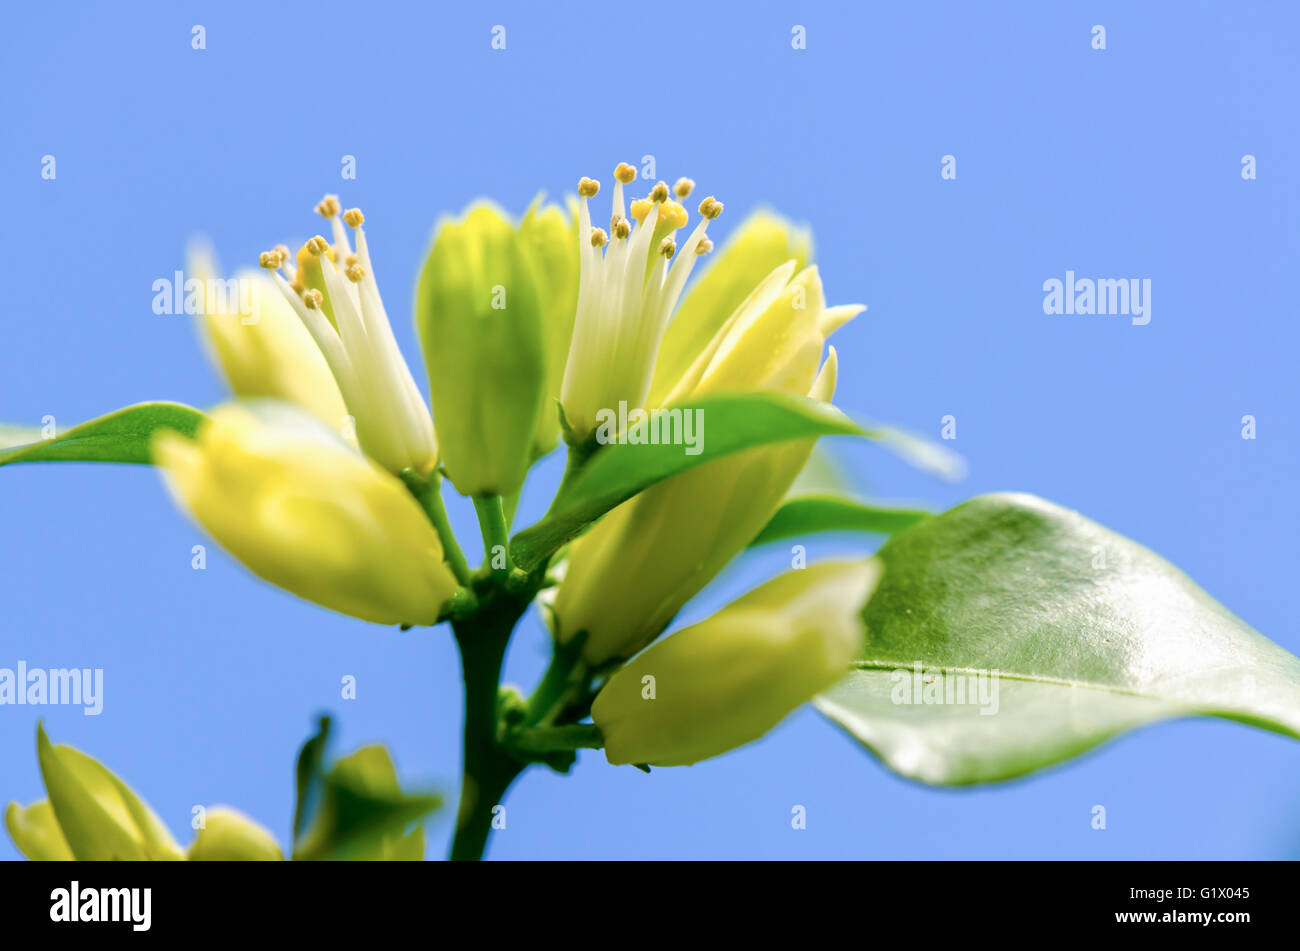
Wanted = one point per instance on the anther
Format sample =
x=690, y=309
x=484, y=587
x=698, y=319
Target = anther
x=704, y=247
x=587, y=187
x=710, y=208
x=313, y=299
x=317, y=246
x=683, y=187
x=328, y=207
x=271, y=260
x=668, y=247
x=659, y=193
x=353, y=217
x=354, y=272
x=625, y=173
x=620, y=227
x=598, y=237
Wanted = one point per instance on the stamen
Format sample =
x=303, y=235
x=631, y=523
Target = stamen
x=350, y=260
x=620, y=227
x=317, y=246
x=328, y=207
x=683, y=187
x=659, y=193
x=598, y=237
x=668, y=247
x=271, y=260
x=313, y=299
x=625, y=173
x=710, y=208
x=354, y=217
x=704, y=247
x=587, y=187
x=354, y=272
x=282, y=250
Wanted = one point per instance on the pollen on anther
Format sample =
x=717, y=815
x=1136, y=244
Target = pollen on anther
x=328, y=207
x=620, y=227
x=710, y=208
x=683, y=187
x=313, y=299
x=598, y=237
x=659, y=193
x=318, y=245
x=625, y=173
x=354, y=272
x=587, y=187
x=667, y=247
x=350, y=260
x=704, y=247
x=271, y=260
x=354, y=217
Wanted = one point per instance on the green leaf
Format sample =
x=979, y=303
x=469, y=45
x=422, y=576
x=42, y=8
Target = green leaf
x=1090, y=634
x=35, y=832
x=309, y=773
x=364, y=814
x=617, y=472
x=122, y=436
x=832, y=513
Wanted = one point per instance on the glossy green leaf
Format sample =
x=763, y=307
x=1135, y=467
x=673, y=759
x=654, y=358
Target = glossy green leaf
x=810, y=514
x=122, y=436
x=1090, y=634
x=617, y=472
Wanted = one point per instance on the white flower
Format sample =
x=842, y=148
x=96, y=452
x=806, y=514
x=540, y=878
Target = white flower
x=335, y=295
x=626, y=294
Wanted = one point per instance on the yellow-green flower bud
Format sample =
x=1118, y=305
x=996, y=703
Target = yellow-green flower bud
x=98, y=815
x=230, y=836
x=306, y=512
x=639, y=564
x=549, y=235
x=726, y=681
x=480, y=319
x=35, y=832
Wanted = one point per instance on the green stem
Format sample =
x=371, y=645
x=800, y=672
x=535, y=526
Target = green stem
x=488, y=769
x=540, y=740
x=492, y=523
x=428, y=492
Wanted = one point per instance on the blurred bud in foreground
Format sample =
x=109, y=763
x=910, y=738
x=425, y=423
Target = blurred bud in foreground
x=726, y=681
x=309, y=514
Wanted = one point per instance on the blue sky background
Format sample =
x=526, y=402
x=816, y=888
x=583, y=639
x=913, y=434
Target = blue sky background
x=1122, y=163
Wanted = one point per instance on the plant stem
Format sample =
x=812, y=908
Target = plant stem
x=538, y=740
x=428, y=492
x=488, y=768
x=492, y=523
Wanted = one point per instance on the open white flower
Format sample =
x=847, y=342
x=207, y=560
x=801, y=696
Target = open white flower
x=626, y=294
x=334, y=293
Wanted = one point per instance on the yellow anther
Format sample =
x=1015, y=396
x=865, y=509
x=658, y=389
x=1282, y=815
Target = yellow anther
x=659, y=193
x=683, y=187
x=355, y=272
x=354, y=217
x=587, y=187
x=317, y=246
x=350, y=260
x=271, y=260
x=620, y=227
x=710, y=208
x=704, y=247
x=667, y=247
x=328, y=207
x=641, y=207
x=283, y=251
x=598, y=237
x=625, y=173
x=297, y=287
x=313, y=299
